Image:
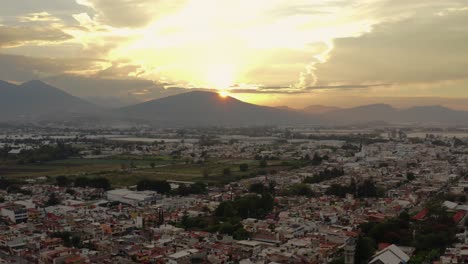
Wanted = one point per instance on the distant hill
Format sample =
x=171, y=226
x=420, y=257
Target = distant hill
x=386, y=113
x=287, y=108
x=319, y=109
x=209, y=109
x=36, y=100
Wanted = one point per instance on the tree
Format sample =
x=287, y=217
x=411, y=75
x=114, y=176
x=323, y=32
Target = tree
x=367, y=189
x=410, y=176
x=97, y=182
x=263, y=163
x=100, y=183
x=4, y=152
x=5, y=183
x=244, y=207
x=81, y=182
x=353, y=186
x=243, y=167
x=70, y=191
x=365, y=249
x=340, y=260
x=62, y=181
x=154, y=185
x=69, y=239
x=316, y=160
x=196, y=188
x=272, y=187
x=337, y=190
x=257, y=187
x=226, y=171
x=53, y=200
x=206, y=172
x=226, y=209
x=300, y=189
x=153, y=165
x=462, y=199
x=325, y=175
x=241, y=234
x=226, y=228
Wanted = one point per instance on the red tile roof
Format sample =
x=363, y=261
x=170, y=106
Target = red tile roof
x=421, y=215
x=458, y=216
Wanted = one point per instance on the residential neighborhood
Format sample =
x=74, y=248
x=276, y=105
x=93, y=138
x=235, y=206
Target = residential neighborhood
x=334, y=205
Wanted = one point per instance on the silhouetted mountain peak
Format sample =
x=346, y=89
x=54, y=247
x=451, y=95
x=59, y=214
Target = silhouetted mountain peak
x=198, y=108
x=36, y=99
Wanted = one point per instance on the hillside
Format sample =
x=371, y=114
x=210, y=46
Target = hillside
x=209, y=109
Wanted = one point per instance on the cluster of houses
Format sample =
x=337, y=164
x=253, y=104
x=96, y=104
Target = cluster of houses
x=89, y=225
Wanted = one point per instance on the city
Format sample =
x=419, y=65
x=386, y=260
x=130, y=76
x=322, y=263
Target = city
x=260, y=195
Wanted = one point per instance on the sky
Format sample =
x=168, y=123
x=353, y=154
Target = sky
x=271, y=52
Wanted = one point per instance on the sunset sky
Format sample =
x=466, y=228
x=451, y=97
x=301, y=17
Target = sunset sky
x=270, y=52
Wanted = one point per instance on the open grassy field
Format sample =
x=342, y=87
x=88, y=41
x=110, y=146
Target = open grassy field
x=211, y=172
x=128, y=170
x=76, y=166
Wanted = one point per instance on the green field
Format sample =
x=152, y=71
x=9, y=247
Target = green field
x=128, y=170
x=76, y=166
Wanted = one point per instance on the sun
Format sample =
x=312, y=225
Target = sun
x=223, y=93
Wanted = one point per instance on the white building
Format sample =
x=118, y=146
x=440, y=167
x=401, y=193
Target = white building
x=390, y=255
x=132, y=198
x=17, y=214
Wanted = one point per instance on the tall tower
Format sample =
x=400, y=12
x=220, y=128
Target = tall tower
x=349, y=250
x=160, y=216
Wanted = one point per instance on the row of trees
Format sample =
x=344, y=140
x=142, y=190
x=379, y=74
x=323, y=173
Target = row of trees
x=4, y=152
x=5, y=183
x=154, y=185
x=196, y=188
x=260, y=188
x=164, y=187
x=13, y=186
x=365, y=189
x=299, y=189
x=255, y=206
x=82, y=181
x=325, y=175
x=46, y=153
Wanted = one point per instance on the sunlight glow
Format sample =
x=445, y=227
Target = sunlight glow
x=223, y=93
x=220, y=76
x=217, y=48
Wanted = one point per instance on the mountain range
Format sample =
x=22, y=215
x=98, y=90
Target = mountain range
x=38, y=101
